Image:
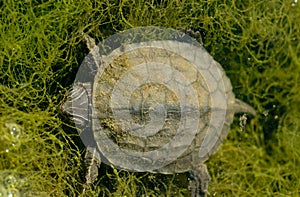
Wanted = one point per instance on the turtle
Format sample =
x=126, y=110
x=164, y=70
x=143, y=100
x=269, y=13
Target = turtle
x=152, y=99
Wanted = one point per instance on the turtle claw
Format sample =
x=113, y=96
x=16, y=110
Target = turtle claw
x=199, y=181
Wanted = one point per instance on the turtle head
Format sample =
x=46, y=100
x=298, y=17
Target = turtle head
x=77, y=103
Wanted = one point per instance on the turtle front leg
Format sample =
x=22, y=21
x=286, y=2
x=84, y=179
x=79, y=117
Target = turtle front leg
x=92, y=162
x=199, y=181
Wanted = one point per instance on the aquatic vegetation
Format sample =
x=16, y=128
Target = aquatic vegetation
x=12, y=185
x=257, y=43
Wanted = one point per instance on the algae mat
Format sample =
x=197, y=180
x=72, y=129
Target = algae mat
x=257, y=43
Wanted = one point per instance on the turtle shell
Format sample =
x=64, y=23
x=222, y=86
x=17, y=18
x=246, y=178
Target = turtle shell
x=159, y=105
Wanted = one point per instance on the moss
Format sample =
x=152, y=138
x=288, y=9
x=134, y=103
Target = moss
x=257, y=42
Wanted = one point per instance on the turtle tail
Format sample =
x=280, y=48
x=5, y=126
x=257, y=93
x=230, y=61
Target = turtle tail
x=240, y=107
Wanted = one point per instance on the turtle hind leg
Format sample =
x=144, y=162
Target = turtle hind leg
x=199, y=181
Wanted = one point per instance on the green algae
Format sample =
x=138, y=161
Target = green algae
x=257, y=43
